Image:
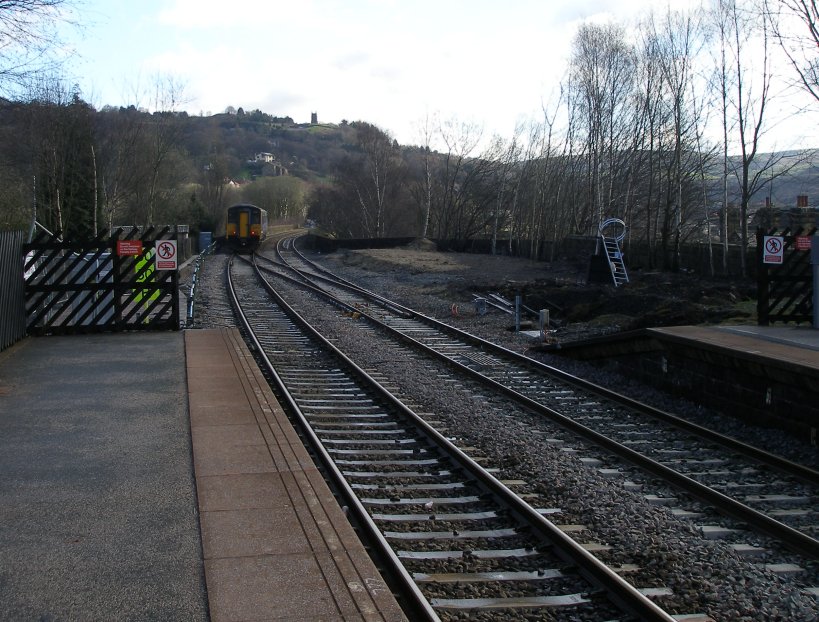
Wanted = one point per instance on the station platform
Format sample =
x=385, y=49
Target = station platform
x=766, y=375
x=154, y=476
x=791, y=346
x=276, y=544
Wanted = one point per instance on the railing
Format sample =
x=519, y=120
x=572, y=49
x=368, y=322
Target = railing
x=192, y=293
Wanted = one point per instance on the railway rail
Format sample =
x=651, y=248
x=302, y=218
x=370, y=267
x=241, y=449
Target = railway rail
x=730, y=491
x=771, y=495
x=751, y=583
x=458, y=540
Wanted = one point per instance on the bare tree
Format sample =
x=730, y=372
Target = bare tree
x=649, y=134
x=751, y=80
x=216, y=177
x=602, y=70
x=457, y=172
x=800, y=42
x=59, y=150
x=678, y=43
x=380, y=162
x=165, y=133
x=283, y=196
x=555, y=182
x=370, y=177
x=426, y=130
x=28, y=38
x=119, y=139
x=721, y=21
x=509, y=155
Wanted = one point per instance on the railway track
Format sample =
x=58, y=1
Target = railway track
x=460, y=542
x=761, y=493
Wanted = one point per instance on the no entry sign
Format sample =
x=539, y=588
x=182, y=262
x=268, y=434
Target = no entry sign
x=773, y=249
x=166, y=255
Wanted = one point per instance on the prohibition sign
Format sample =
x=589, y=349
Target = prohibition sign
x=774, y=247
x=166, y=255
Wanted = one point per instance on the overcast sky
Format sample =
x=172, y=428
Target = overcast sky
x=389, y=62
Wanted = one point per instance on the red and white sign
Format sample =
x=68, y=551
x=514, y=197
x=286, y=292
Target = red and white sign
x=166, y=255
x=773, y=247
x=126, y=248
x=803, y=242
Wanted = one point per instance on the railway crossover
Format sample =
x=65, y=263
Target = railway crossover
x=457, y=539
x=720, y=477
x=773, y=495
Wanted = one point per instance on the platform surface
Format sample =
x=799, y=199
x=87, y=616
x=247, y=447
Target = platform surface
x=98, y=514
x=277, y=545
x=789, y=345
x=104, y=440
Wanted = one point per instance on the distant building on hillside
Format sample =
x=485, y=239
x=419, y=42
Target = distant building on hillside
x=314, y=118
x=802, y=216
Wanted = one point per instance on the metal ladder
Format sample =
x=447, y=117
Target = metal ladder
x=611, y=245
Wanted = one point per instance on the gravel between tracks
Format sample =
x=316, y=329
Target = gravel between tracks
x=706, y=576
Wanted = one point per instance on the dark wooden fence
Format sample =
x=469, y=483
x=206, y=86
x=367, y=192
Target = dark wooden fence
x=693, y=257
x=12, y=317
x=785, y=288
x=97, y=285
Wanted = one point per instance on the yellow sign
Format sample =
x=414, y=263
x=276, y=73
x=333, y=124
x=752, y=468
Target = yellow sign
x=145, y=274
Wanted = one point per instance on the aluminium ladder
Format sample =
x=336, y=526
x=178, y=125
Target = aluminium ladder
x=611, y=246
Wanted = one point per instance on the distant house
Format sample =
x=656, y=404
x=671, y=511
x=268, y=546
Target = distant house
x=271, y=166
x=803, y=216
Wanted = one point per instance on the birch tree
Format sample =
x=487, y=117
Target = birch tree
x=426, y=131
x=678, y=44
x=370, y=176
x=602, y=68
x=747, y=40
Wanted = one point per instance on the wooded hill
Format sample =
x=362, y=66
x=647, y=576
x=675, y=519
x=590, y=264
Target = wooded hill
x=84, y=170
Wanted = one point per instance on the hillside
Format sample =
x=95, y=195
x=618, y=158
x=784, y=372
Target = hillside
x=312, y=151
x=83, y=169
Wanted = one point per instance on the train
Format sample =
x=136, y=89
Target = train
x=246, y=227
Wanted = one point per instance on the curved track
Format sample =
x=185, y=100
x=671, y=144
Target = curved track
x=771, y=495
x=456, y=538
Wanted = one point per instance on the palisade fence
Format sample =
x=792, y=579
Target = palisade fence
x=12, y=291
x=785, y=280
x=51, y=286
x=123, y=281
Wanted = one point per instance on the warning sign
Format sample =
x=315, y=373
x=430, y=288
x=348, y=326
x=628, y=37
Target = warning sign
x=803, y=242
x=773, y=249
x=166, y=255
x=126, y=248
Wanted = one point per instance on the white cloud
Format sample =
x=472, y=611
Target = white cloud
x=247, y=14
x=390, y=62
